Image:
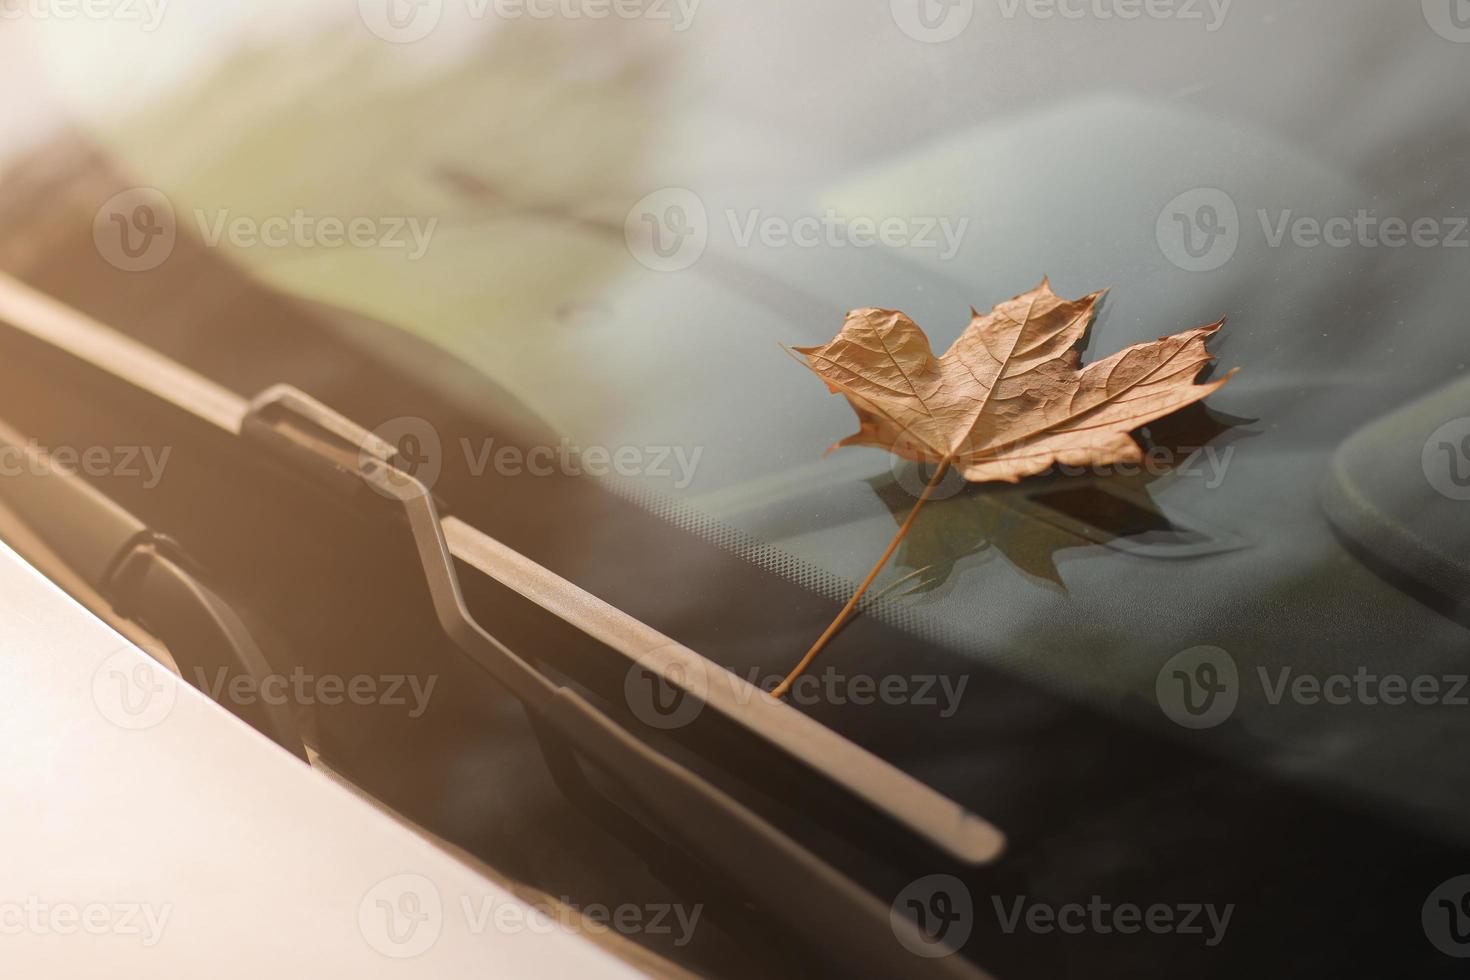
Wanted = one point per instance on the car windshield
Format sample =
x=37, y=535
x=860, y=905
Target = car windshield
x=620, y=214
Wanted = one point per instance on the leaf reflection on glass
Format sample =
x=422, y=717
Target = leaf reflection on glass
x=1029, y=526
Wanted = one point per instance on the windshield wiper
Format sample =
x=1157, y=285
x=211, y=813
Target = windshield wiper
x=849, y=777
x=830, y=911
x=718, y=831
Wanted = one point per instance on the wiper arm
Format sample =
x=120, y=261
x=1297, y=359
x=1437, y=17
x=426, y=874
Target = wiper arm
x=848, y=923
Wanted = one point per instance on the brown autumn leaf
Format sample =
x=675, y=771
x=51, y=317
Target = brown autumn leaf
x=1009, y=399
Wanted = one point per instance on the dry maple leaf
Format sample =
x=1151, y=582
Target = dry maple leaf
x=1009, y=399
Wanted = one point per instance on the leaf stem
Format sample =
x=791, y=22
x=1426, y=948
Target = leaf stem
x=846, y=613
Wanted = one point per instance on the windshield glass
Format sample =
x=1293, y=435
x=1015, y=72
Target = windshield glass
x=621, y=218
